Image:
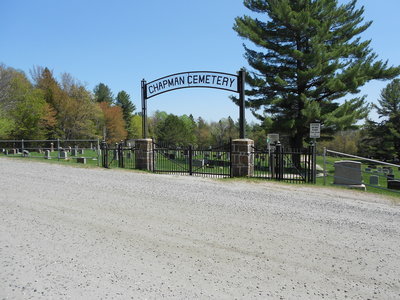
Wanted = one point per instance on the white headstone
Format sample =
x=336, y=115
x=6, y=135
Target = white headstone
x=47, y=154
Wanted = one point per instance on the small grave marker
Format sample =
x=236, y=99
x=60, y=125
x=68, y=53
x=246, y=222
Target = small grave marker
x=374, y=180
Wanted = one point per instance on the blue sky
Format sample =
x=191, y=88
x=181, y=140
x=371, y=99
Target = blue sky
x=121, y=42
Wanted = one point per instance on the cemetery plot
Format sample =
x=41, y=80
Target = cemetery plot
x=59, y=150
x=377, y=177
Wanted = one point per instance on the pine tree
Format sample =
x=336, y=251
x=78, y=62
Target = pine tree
x=123, y=100
x=389, y=108
x=308, y=55
x=102, y=93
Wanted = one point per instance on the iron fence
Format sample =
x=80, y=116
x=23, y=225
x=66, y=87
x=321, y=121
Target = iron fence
x=209, y=162
x=285, y=164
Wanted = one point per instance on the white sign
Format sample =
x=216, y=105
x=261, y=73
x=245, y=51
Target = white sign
x=315, y=130
x=215, y=80
x=272, y=138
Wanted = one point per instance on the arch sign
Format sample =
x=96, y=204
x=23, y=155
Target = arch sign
x=195, y=79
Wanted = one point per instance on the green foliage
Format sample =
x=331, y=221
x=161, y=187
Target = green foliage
x=135, y=127
x=123, y=100
x=173, y=130
x=383, y=139
x=343, y=141
x=6, y=125
x=102, y=93
x=308, y=55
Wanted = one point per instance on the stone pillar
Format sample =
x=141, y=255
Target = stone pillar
x=144, y=154
x=242, y=158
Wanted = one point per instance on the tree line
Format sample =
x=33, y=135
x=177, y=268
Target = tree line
x=45, y=108
x=42, y=107
x=304, y=57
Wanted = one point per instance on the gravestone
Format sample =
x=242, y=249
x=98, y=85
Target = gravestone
x=13, y=151
x=380, y=169
x=73, y=152
x=385, y=171
x=374, y=180
x=52, y=147
x=25, y=153
x=69, y=149
x=390, y=170
x=368, y=170
x=348, y=173
x=390, y=176
x=129, y=155
x=81, y=151
x=47, y=154
x=63, y=155
x=199, y=163
x=81, y=160
x=393, y=184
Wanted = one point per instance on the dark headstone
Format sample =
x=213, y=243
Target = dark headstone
x=393, y=184
x=390, y=176
x=81, y=160
x=374, y=180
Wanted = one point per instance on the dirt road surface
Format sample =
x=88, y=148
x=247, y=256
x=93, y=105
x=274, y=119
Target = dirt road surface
x=73, y=233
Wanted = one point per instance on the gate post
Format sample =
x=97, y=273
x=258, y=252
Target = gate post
x=190, y=157
x=242, y=158
x=279, y=162
x=104, y=154
x=144, y=154
x=121, y=156
x=313, y=163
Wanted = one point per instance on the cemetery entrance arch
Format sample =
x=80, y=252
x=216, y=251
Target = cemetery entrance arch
x=195, y=79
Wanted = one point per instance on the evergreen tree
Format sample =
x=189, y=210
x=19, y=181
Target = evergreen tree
x=389, y=108
x=173, y=131
x=102, y=93
x=123, y=100
x=309, y=55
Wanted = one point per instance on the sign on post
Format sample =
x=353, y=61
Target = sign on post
x=195, y=79
x=315, y=130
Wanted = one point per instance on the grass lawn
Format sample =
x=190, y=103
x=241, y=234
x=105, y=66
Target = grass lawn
x=379, y=189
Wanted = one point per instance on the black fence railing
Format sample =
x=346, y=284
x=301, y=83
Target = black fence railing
x=285, y=164
x=209, y=162
x=118, y=156
x=278, y=163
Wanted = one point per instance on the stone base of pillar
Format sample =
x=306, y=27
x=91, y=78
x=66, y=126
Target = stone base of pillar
x=242, y=158
x=144, y=154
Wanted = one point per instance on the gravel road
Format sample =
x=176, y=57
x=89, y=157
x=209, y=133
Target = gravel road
x=75, y=233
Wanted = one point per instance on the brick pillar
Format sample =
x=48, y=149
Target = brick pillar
x=242, y=158
x=144, y=154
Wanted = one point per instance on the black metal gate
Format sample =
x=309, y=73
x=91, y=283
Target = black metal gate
x=285, y=164
x=118, y=156
x=210, y=162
